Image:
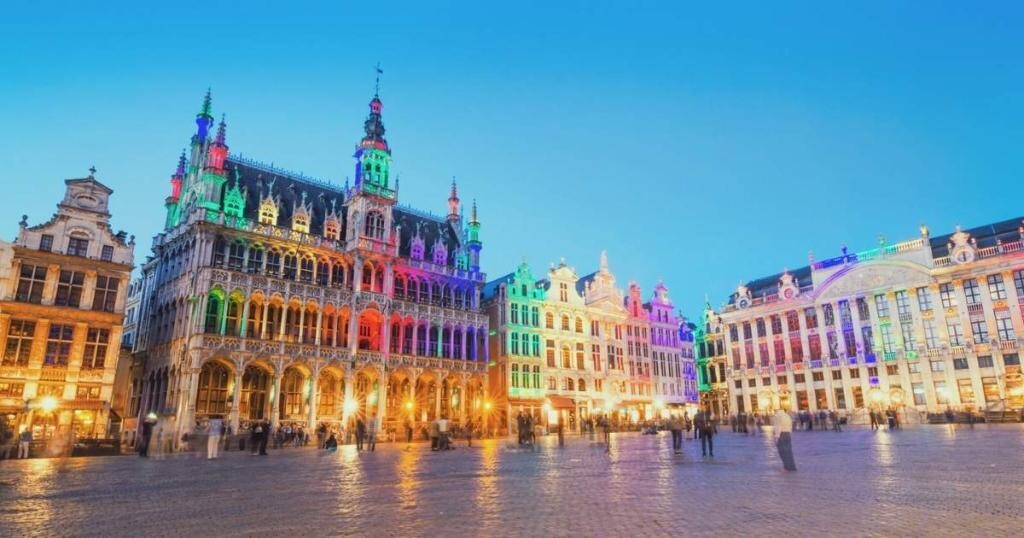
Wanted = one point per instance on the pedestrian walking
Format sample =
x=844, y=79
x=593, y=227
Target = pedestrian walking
x=434, y=434
x=675, y=425
x=703, y=423
x=469, y=432
x=442, y=433
x=24, y=443
x=782, y=430
x=371, y=434
x=147, y=435
x=360, y=433
x=264, y=438
x=214, y=431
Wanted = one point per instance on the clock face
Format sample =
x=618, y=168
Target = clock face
x=788, y=294
x=743, y=303
x=963, y=255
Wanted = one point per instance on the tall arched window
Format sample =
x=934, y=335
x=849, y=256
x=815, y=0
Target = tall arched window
x=214, y=304
x=292, y=400
x=566, y=357
x=327, y=401
x=234, y=316
x=579, y=325
x=581, y=385
x=212, y=396
x=375, y=225
x=569, y=385
x=565, y=322
x=549, y=320
x=255, y=383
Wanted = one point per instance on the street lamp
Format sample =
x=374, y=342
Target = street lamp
x=48, y=403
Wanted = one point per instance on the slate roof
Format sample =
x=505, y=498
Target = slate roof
x=491, y=288
x=259, y=180
x=986, y=236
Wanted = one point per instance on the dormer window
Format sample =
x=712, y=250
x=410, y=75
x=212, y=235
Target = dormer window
x=440, y=254
x=300, y=223
x=331, y=230
x=416, y=250
x=268, y=213
x=78, y=246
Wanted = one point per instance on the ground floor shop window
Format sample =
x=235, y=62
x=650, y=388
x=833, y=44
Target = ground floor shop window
x=966, y=390
x=919, y=396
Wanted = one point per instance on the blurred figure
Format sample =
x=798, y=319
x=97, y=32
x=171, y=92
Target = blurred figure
x=215, y=429
x=24, y=443
x=782, y=430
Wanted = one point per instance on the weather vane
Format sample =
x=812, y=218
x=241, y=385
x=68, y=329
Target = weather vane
x=376, y=85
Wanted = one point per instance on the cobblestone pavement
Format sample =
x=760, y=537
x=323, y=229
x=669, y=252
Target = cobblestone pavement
x=927, y=480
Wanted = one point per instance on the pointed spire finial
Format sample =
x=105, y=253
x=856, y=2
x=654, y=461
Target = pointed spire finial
x=376, y=82
x=207, y=103
x=222, y=130
x=92, y=172
x=455, y=193
x=472, y=217
x=181, y=164
x=604, y=261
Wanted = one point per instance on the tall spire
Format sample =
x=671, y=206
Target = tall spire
x=472, y=215
x=221, y=130
x=604, y=261
x=453, y=202
x=205, y=118
x=180, y=172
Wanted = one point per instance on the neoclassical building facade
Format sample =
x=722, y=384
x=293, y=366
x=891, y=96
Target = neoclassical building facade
x=573, y=347
x=928, y=324
x=274, y=296
x=62, y=295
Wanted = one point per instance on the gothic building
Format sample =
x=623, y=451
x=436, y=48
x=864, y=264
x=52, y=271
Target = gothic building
x=274, y=296
x=926, y=325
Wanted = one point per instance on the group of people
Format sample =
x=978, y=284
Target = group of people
x=888, y=417
x=524, y=427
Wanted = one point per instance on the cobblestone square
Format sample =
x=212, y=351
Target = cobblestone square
x=926, y=480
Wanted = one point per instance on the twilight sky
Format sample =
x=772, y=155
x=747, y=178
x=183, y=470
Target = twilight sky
x=700, y=145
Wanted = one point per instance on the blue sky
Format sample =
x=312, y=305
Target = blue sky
x=699, y=144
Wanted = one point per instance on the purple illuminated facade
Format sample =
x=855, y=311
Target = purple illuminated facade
x=271, y=296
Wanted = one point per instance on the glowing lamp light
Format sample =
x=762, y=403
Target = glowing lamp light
x=876, y=396
x=349, y=406
x=763, y=402
x=408, y=405
x=552, y=416
x=487, y=405
x=659, y=403
x=48, y=404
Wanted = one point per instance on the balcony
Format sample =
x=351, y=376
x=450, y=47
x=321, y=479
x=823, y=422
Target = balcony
x=975, y=308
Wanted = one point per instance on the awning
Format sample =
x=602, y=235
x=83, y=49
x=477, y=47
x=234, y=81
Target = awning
x=561, y=402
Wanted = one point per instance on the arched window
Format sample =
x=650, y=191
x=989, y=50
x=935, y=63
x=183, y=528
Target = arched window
x=300, y=222
x=255, y=383
x=569, y=384
x=579, y=325
x=273, y=262
x=214, y=304
x=323, y=273
x=236, y=255
x=524, y=290
x=212, y=396
x=565, y=322
x=581, y=385
x=291, y=266
x=515, y=376
x=374, y=225
x=549, y=320
x=566, y=357
x=306, y=269
x=292, y=400
x=338, y=274
x=220, y=247
x=234, y=316
x=327, y=400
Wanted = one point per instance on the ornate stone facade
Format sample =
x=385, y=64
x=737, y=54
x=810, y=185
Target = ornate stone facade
x=274, y=296
x=926, y=324
x=576, y=347
x=62, y=294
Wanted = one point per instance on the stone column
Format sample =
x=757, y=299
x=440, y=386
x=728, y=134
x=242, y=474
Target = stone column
x=284, y=319
x=302, y=324
x=319, y=324
x=462, y=401
x=243, y=328
x=236, y=396
x=382, y=399
x=437, y=397
x=275, y=403
x=385, y=341
x=415, y=337
x=50, y=285
x=265, y=311
x=88, y=290
x=314, y=382
x=353, y=330
x=346, y=413
x=462, y=343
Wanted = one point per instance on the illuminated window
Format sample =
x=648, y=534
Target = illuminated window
x=19, y=342
x=95, y=349
x=58, y=345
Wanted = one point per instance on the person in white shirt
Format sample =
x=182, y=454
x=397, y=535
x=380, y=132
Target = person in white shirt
x=442, y=428
x=782, y=431
x=216, y=429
